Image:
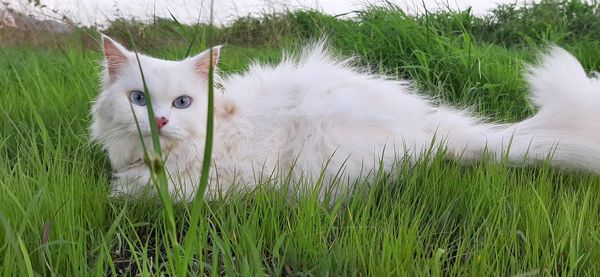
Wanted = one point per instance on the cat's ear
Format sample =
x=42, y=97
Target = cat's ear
x=201, y=62
x=115, y=55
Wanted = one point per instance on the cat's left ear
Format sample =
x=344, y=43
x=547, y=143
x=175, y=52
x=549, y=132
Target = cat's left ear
x=201, y=62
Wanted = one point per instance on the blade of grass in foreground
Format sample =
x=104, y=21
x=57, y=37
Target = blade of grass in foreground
x=192, y=236
x=156, y=164
x=158, y=175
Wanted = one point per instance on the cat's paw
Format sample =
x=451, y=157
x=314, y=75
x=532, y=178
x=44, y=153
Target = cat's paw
x=137, y=164
x=125, y=190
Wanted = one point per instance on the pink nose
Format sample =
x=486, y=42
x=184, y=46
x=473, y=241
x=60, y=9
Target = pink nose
x=161, y=122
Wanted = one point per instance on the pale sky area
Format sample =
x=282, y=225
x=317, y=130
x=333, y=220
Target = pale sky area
x=90, y=12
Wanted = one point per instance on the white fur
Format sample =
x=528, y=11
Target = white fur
x=316, y=114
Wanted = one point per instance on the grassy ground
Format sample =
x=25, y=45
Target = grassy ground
x=435, y=218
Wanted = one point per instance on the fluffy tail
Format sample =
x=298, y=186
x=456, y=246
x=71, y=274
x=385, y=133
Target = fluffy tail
x=566, y=128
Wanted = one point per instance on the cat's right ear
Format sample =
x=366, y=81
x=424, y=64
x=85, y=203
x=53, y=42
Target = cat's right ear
x=115, y=55
x=202, y=61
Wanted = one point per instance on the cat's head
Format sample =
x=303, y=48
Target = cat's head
x=178, y=93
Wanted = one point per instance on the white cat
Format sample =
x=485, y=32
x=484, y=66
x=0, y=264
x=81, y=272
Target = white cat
x=316, y=115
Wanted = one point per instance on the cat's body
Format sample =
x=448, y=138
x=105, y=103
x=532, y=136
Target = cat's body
x=319, y=116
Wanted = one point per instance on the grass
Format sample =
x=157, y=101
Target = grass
x=436, y=217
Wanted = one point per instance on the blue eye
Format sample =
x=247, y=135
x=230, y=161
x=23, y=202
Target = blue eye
x=137, y=97
x=182, y=102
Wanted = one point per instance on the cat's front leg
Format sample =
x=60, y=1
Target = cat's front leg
x=131, y=181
